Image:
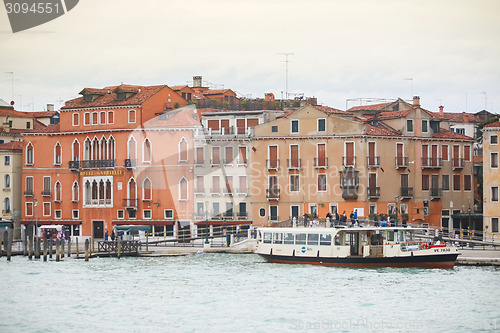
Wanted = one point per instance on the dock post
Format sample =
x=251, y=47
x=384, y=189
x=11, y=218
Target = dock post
x=30, y=240
x=58, y=245
x=37, y=247
x=1, y=239
x=51, y=247
x=118, y=248
x=87, y=248
x=77, y=250
x=9, y=243
x=69, y=248
x=62, y=248
x=45, y=248
x=25, y=242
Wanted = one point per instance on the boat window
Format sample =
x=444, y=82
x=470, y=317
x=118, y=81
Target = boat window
x=312, y=239
x=401, y=235
x=288, y=238
x=278, y=238
x=268, y=237
x=325, y=239
x=409, y=236
x=338, y=239
x=300, y=239
x=390, y=235
x=364, y=238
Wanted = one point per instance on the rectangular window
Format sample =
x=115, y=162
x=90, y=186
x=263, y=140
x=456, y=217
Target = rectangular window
x=57, y=214
x=274, y=129
x=86, y=118
x=228, y=155
x=76, y=119
x=75, y=214
x=409, y=125
x=29, y=209
x=28, y=125
x=111, y=117
x=242, y=157
x=494, y=140
x=146, y=213
x=425, y=182
x=494, y=224
x=132, y=214
x=425, y=124
x=103, y=117
x=94, y=118
x=321, y=125
x=215, y=155
x=131, y=116
x=200, y=156
x=46, y=209
x=494, y=193
x=321, y=182
x=494, y=160
x=444, y=152
x=294, y=183
x=467, y=153
x=120, y=214
x=467, y=182
x=46, y=186
x=456, y=182
x=295, y=126
x=6, y=160
x=445, y=182
x=169, y=214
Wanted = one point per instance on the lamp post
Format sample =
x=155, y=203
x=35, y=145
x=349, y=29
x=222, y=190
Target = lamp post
x=470, y=222
x=397, y=199
x=206, y=222
x=36, y=218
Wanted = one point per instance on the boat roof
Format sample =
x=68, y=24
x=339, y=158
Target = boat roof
x=323, y=229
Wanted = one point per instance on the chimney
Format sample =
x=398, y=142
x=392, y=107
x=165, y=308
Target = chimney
x=466, y=117
x=441, y=111
x=197, y=81
x=416, y=101
x=50, y=107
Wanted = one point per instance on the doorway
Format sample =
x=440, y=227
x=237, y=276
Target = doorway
x=98, y=227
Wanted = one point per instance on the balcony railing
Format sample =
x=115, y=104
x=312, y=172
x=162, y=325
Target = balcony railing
x=349, y=161
x=199, y=191
x=242, y=191
x=273, y=193
x=130, y=163
x=242, y=215
x=199, y=163
x=6, y=211
x=28, y=193
x=373, y=161
x=227, y=191
x=457, y=163
x=294, y=164
x=97, y=164
x=436, y=193
x=401, y=162
x=321, y=162
x=349, y=192
x=432, y=162
x=130, y=203
x=215, y=191
x=273, y=164
x=227, y=215
x=373, y=192
x=74, y=165
x=46, y=193
x=215, y=162
x=406, y=192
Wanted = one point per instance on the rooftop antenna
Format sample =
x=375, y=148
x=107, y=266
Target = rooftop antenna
x=286, y=71
x=410, y=79
x=485, y=100
x=12, y=80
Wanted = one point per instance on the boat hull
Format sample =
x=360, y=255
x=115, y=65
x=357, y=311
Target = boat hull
x=422, y=261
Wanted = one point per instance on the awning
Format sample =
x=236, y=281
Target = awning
x=219, y=222
x=143, y=222
x=133, y=228
x=49, y=222
x=58, y=227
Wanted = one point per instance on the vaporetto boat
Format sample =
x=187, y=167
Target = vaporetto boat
x=354, y=247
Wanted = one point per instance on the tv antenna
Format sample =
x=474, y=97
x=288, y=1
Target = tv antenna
x=286, y=54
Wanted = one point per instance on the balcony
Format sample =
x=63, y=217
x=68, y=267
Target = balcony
x=215, y=162
x=432, y=163
x=242, y=162
x=199, y=191
x=46, y=193
x=406, y=193
x=6, y=211
x=349, y=161
x=294, y=164
x=373, y=192
x=242, y=215
x=273, y=164
x=321, y=162
x=28, y=193
x=401, y=162
x=74, y=165
x=199, y=163
x=98, y=164
x=436, y=193
x=130, y=163
x=373, y=162
x=227, y=215
x=273, y=193
x=457, y=163
x=242, y=191
x=227, y=191
x=215, y=191
x=130, y=203
x=349, y=192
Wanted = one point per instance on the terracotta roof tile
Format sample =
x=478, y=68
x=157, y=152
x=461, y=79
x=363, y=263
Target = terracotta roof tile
x=447, y=134
x=329, y=110
x=390, y=114
x=14, y=113
x=216, y=91
x=495, y=124
x=369, y=107
x=13, y=145
x=380, y=131
x=41, y=114
x=478, y=159
x=181, y=118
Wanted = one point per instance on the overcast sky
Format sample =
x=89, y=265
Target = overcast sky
x=450, y=49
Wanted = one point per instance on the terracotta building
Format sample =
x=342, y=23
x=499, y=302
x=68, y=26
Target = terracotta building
x=491, y=181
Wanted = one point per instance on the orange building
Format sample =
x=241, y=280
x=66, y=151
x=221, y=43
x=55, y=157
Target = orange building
x=119, y=156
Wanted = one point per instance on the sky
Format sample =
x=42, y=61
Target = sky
x=344, y=53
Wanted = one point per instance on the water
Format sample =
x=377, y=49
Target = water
x=241, y=293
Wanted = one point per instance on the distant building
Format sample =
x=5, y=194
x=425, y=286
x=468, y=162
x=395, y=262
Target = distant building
x=491, y=181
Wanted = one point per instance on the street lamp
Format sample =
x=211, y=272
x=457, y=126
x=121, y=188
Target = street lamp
x=206, y=222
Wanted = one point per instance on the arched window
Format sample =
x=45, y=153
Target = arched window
x=132, y=189
x=146, y=189
x=75, y=192
x=108, y=192
x=29, y=154
x=6, y=205
x=132, y=148
x=57, y=191
x=111, y=148
x=146, y=151
x=95, y=193
x=88, y=193
x=57, y=154
x=76, y=150
x=6, y=181
x=95, y=149
x=104, y=149
x=87, y=149
x=183, y=189
x=183, y=150
x=101, y=192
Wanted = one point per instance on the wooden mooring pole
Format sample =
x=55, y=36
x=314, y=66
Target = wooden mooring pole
x=69, y=248
x=62, y=248
x=1, y=241
x=87, y=249
x=45, y=248
x=9, y=243
x=118, y=248
x=37, y=247
x=77, y=250
x=30, y=241
x=51, y=247
x=58, y=248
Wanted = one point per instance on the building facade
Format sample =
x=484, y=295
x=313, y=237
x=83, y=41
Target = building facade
x=491, y=181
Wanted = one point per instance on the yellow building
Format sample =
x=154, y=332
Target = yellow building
x=319, y=159
x=491, y=181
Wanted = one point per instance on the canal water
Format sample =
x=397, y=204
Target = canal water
x=241, y=293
